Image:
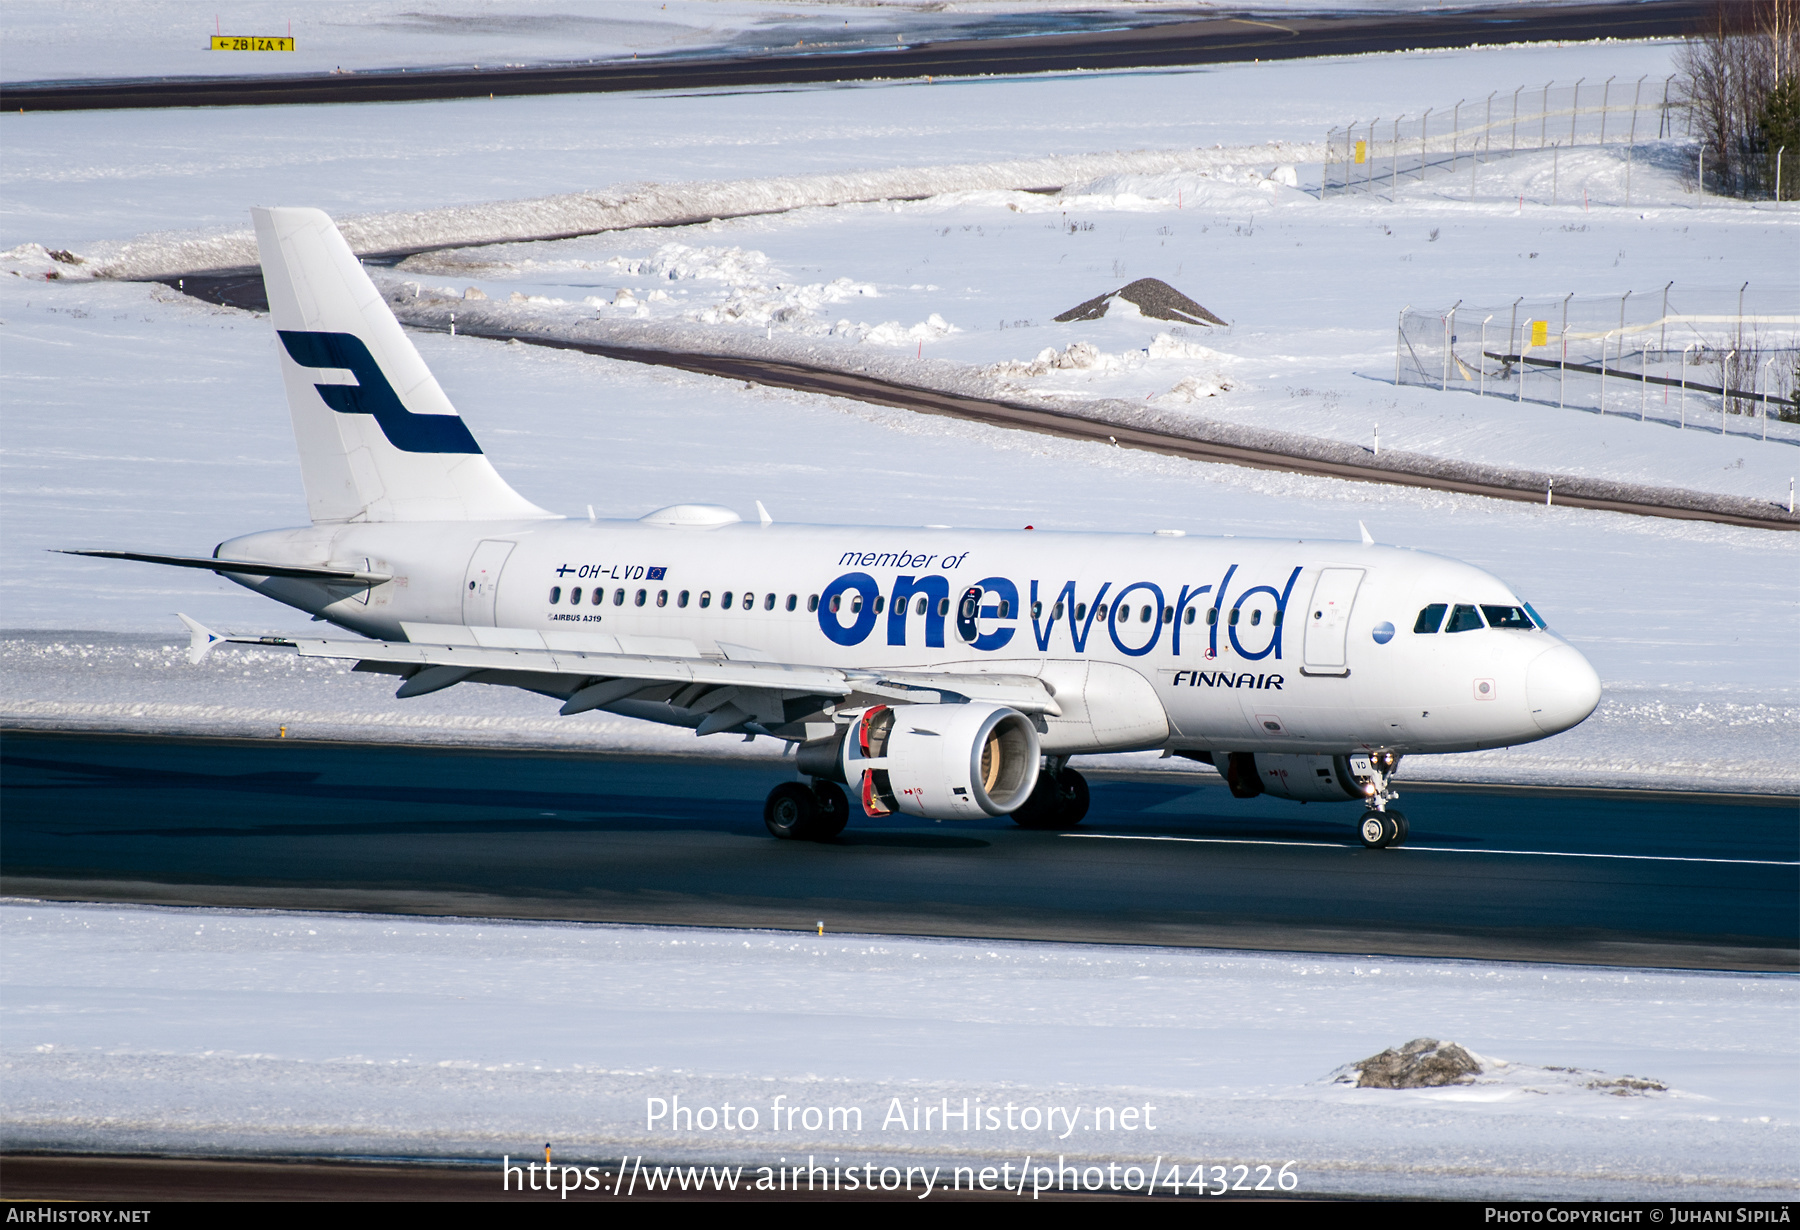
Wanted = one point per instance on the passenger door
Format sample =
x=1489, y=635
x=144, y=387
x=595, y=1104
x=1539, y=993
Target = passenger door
x=481, y=584
x=1328, y=620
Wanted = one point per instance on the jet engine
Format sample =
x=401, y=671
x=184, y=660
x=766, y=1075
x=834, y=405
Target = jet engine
x=1309, y=779
x=942, y=762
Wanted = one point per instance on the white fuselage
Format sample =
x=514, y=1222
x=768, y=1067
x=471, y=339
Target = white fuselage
x=1146, y=640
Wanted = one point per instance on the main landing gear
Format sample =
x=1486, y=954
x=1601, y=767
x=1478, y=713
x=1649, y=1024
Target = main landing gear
x=796, y=811
x=1382, y=826
x=1058, y=801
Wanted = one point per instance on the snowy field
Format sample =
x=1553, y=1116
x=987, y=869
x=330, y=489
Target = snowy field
x=138, y=418
x=226, y=1032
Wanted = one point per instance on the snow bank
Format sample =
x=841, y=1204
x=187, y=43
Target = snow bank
x=227, y=1032
x=631, y=206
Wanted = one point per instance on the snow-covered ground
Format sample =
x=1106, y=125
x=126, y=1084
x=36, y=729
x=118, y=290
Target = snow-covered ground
x=227, y=1032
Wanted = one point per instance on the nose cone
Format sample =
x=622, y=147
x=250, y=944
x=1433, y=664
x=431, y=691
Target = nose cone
x=1561, y=689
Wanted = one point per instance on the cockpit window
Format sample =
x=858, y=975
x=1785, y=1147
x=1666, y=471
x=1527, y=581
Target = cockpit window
x=1431, y=618
x=1463, y=618
x=1508, y=617
x=1536, y=618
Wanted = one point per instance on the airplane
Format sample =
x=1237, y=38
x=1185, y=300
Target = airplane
x=937, y=672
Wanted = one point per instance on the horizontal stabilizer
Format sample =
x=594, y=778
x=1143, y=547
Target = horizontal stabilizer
x=201, y=639
x=246, y=568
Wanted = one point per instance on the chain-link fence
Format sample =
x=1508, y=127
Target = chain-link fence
x=1725, y=368
x=1378, y=156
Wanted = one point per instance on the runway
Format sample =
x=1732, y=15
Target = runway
x=1610, y=877
x=1152, y=44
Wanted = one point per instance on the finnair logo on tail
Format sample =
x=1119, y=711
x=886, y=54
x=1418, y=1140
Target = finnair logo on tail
x=372, y=394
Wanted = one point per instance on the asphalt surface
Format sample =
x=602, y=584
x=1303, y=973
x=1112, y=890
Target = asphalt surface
x=1168, y=43
x=1622, y=878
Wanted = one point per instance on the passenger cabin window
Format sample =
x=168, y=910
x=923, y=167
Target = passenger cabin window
x=749, y=602
x=1431, y=618
x=1463, y=618
x=618, y=597
x=1507, y=617
x=1255, y=618
x=598, y=597
x=793, y=601
x=575, y=596
x=681, y=599
x=705, y=598
x=555, y=594
x=920, y=607
x=880, y=602
x=769, y=603
x=1187, y=616
x=1056, y=611
x=639, y=599
x=812, y=603
x=662, y=597
x=725, y=600
x=943, y=607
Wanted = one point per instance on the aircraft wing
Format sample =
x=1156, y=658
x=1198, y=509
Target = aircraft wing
x=593, y=670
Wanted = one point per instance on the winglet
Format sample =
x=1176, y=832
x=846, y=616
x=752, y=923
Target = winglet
x=762, y=514
x=201, y=639
x=1367, y=540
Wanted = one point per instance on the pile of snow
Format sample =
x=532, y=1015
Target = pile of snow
x=1152, y=297
x=1423, y=1063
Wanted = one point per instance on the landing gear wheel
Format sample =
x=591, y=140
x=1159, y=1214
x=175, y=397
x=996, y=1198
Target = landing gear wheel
x=1398, y=820
x=1376, y=830
x=791, y=812
x=833, y=813
x=1058, y=801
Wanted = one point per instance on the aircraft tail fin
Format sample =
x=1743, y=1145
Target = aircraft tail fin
x=378, y=439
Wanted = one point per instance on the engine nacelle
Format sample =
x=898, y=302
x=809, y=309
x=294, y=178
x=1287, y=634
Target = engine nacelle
x=1308, y=779
x=942, y=762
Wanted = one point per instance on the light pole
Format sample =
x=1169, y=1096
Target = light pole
x=1725, y=388
x=1763, y=379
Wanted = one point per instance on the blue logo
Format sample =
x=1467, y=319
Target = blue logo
x=1383, y=632
x=372, y=394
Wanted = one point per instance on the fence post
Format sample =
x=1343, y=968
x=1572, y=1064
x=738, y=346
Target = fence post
x=1424, y=127
x=1394, y=189
x=1369, y=160
x=1449, y=341
x=1725, y=388
x=1574, y=109
x=1513, y=141
x=1764, y=381
x=1684, y=367
x=1481, y=359
x=1555, y=150
x=1631, y=138
x=1643, y=380
x=1562, y=379
x=1325, y=171
x=1778, y=154
x=1544, y=116
x=1602, y=373
x=1399, y=344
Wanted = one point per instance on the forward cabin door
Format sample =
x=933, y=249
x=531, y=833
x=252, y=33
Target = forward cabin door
x=1328, y=620
x=481, y=585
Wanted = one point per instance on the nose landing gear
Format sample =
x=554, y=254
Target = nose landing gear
x=1382, y=826
x=795, y=811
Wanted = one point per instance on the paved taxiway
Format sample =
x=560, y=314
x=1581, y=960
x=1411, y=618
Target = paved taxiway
x=1164, y=41
x=1610, y=877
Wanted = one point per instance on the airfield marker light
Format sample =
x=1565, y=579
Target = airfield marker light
x=821, y=926
x=1378, y=439
x=283, y=733
x=1550, y=493
x=1790, y=495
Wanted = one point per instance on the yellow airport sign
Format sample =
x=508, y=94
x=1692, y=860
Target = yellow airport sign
x=1362, y=151
x=1540, y=332
x=250, y=42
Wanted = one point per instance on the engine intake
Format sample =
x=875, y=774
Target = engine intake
x=941, y=762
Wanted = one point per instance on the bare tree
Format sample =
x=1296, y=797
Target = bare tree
x=1737, y=81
